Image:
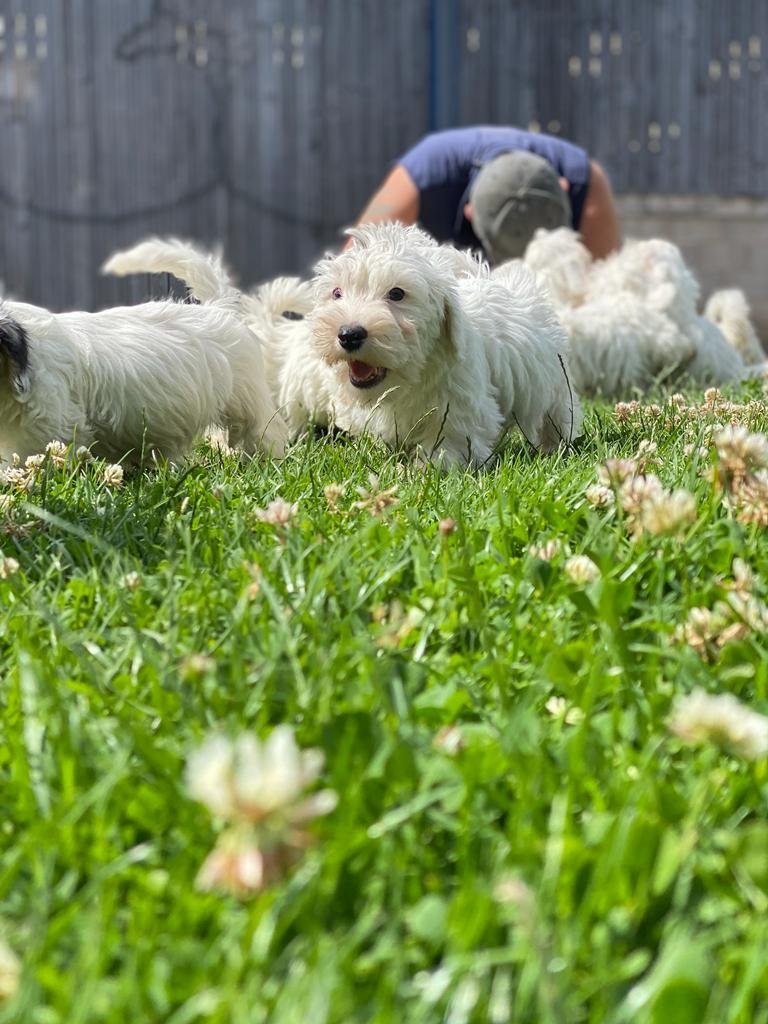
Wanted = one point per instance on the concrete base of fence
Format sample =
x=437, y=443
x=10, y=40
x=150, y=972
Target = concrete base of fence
x=724, y=240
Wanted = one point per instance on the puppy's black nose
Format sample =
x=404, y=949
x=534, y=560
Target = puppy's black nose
x=352, y=337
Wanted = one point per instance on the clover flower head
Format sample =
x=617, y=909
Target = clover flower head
x=723, y=721
x=581, y=570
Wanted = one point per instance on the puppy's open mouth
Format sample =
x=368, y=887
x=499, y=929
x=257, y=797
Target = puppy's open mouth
x=362, y=375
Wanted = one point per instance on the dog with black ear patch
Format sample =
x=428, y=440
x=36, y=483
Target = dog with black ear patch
x=15, y=352
x=137, y=379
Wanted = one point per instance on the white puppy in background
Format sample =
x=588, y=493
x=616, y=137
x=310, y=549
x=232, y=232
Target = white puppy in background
x=655, y=271
x=136, y=379
x=401, y=345
x=562, y=263
x=730, y=310
x=275, y=311
x=632, y=318
x=619, y=344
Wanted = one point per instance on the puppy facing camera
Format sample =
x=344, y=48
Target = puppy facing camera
x=427, y=352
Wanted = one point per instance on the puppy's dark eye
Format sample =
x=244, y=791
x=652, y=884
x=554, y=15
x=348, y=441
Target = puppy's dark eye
x=336, y=293
x=396, y=294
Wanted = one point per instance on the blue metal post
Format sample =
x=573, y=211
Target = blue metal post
x=445, y=53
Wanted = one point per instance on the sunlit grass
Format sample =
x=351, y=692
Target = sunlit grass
x=564, y=860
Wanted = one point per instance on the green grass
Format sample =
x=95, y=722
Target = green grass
x=645, y=861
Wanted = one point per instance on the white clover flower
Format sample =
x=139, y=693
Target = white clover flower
x=637, y=490
x=514, y=891
x=722, y=720
x=132, y=581
x=705, y=630
x=277, y=512
x=432, y=985
x=547, y=551
x=8, y=567
x=375, y=500
x=624, y=410
x=646, y=448
x=581, y=569
x=332, y=494
x=740, y=451
x=748, y=609
x=446, y=527
x=743, y=577
x=668, y=512
x=83, y=455
x=558, y=708
x=258, y=788
x=237, y=865
x=33, y=463
x=113, y=475
x=614, y=472
x=600, y=496
x=17, y=478
x=10, y=972
x=246, y=780
x=196, y=665
x=449, y=739
x=749, y=497
x=57, y=452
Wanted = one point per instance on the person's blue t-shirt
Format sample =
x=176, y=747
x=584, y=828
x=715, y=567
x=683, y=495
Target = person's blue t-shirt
x=444, y=165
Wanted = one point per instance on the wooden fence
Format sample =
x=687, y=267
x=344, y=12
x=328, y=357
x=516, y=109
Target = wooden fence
x=264, y=124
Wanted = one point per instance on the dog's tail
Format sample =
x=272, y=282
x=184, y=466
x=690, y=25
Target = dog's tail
x=204, y=273
x=14, y=352
x=729, y=309
x=280, y=300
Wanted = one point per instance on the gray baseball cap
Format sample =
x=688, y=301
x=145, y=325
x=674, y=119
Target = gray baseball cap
x=512, y=195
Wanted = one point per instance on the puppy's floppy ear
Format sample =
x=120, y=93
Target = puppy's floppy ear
x=13, y=345
x=454, y=328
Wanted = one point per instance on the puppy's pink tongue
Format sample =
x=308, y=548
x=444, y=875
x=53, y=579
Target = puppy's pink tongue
x=361, y=371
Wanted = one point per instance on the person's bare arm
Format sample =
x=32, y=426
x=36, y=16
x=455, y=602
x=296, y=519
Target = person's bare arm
x=397, y=199
x=599, y=225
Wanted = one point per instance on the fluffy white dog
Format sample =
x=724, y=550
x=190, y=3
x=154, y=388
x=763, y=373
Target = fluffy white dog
x=632, y=319
x=730, y=310
x=275, y=311
x=619, y=345
x=427, y=354
x=727, y=348
x=562, y=262
x=134, y=379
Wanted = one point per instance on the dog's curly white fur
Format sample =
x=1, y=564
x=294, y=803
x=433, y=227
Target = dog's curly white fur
x=135, y=379
x=632, y=318
x=429, y=354
x=729, y=309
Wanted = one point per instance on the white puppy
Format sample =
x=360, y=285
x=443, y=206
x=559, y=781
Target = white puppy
x=133, y=379
x=275, y=311
x=401, y=345
x=562, y=263
x=655, y=271
x=619, y=344
x=730, y=310
x=632, y=318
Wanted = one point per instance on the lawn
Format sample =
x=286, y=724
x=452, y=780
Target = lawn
x=561, y=855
